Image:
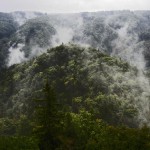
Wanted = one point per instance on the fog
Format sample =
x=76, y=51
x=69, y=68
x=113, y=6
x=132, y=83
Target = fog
x=65, y=6
x=116, y=34
x=16, y=55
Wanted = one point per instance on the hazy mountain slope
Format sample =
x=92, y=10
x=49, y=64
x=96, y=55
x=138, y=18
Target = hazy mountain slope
x=21, y=17
x=7, y=28
x=123, y=34
x=30, y=40
x=7, y=25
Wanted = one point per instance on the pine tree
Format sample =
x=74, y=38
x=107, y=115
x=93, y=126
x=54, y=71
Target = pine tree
x=48, y=120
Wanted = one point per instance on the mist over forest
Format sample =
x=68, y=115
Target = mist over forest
x=75, y=81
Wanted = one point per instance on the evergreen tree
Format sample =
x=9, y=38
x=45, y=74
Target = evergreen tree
x=48, y=120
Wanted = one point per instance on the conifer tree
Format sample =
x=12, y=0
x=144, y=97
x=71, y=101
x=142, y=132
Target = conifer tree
x=48, y=120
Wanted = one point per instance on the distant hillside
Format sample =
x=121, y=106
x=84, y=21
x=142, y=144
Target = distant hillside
x=7, y=28
x=118, y=33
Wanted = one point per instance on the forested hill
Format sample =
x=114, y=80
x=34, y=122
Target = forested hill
x=75, y=81
x=68, y=93
x=81, y=77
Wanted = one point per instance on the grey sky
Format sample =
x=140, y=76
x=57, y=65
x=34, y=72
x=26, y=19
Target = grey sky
x=72, y=5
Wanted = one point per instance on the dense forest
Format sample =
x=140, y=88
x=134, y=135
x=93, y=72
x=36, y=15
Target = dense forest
x=89, y=92
x=71, y=98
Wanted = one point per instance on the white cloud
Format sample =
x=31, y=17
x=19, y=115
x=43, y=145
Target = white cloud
x=72, y=5
x=64, y=35
x=16, y=55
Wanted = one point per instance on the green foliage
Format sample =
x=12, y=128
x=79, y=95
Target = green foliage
x=124, y=138
x=48, y=123
x=24, y=126
x=92, y=106
x=73, y=72
x=97, y=97
x=7, y=126
x=18, y=143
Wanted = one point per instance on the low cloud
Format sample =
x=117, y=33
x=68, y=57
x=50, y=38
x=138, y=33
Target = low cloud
x=16, y=55
x=64, y=35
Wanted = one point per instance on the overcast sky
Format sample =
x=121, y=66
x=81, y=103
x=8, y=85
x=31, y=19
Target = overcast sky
x=55, y=6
